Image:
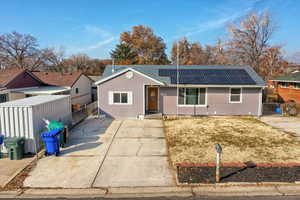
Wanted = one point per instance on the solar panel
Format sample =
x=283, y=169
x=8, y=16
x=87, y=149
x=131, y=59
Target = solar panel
x=208, y=76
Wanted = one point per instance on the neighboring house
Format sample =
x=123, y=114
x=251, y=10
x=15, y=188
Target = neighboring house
x=78, y=84
x=12, y=80
x=132, y=91
x=94, y=87
x=292, y=68
x=287, y=87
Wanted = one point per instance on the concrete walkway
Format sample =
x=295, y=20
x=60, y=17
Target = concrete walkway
x=107, y=154
x=289, y=124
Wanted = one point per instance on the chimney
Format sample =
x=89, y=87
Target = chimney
x=113, y=66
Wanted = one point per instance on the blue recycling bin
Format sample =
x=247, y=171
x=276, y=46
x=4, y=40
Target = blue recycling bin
x=278, y=110
x=51, y=140
x=1, y=143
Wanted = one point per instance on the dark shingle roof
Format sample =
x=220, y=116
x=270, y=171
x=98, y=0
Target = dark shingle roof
x=58, y=78
x=201, y=74
x=289, y=77
x=7, y=75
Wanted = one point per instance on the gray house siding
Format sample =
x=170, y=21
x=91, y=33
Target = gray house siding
x=217, y=103
x=120, y=83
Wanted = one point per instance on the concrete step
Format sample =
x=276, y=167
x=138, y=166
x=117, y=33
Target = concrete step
x=154, y=116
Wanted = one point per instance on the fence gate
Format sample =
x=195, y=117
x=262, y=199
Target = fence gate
x=269, y=108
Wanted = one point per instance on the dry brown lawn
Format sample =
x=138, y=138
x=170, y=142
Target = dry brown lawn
x=242, y=139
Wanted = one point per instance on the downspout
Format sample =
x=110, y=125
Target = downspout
x=259, y=112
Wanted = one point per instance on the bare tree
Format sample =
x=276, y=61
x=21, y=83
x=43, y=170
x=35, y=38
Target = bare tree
x=190, y=53
x=82, y=63
x=272, y=63
x=77, y=62
x=250, y=40
x=22, y=51
x=197, y=55
x=184, y=50
x=16, y=49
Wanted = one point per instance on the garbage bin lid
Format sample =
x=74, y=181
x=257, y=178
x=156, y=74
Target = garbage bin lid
x=14, y=140
x=51, y=133
x=55, y=124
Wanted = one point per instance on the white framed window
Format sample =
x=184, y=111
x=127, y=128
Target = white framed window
x=235, y=95
x=192, y=97
x=284, y=84
x=297, y=85
x=120, y=97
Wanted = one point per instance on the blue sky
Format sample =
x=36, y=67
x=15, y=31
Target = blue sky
x=93, y=26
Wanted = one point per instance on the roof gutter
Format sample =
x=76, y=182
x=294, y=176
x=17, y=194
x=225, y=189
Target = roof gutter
x=286, y=81
x=217, y=86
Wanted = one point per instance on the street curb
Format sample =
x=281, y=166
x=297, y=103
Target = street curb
x=149, y=192
x=10, y=194
x=129, y=192
x=63, y=193
x=289, y=190
x=236, y=191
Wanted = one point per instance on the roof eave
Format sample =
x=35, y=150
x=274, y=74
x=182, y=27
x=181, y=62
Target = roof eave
x=292, y=81
x=219, y=86
x=125, y=70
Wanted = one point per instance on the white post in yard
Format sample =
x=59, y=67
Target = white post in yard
x=218, y=167
x=218, y=161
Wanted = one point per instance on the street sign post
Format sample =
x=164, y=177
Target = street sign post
x=218, y=161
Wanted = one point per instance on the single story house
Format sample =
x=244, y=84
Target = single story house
x=79, y=86
x=286, y=87
x=12, y=80
x=134, y=91
x=21, y=83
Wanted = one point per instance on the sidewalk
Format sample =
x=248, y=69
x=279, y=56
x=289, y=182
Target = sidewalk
x=289, y=124
x=126, y=192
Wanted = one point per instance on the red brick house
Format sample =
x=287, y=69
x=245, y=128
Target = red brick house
x=286, y=87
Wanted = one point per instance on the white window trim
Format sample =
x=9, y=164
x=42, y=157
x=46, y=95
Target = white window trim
x=281, y=85
x=197, y=105
x=120, y=104
x=296, y=88
x=241, y=95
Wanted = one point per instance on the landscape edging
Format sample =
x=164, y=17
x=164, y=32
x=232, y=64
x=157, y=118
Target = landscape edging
x=238, y=164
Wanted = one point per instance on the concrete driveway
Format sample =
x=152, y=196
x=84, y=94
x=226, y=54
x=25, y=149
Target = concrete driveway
x=137, y=157
x=290, y=124
x=10, y=168
x=79, y=162
x=107, y=154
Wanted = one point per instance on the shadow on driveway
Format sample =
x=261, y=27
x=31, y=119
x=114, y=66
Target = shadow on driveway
x=86, y=138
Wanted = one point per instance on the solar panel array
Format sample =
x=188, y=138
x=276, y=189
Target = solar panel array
x=208, y=76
